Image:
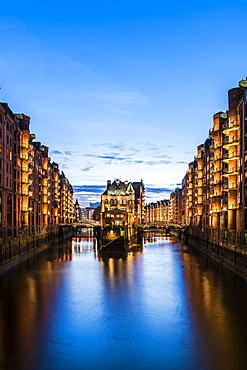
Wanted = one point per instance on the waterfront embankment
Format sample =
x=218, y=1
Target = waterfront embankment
x=17, y=244
x=227, y=255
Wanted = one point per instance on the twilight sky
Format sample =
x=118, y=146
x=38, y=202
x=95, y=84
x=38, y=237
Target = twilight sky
x=121, y=89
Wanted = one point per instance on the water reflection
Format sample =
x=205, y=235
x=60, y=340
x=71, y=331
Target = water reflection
x=218, y=301
x=83, y=244
x=165, y=306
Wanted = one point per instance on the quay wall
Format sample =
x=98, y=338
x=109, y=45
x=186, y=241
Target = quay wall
x=228, y=255
x=17, y=244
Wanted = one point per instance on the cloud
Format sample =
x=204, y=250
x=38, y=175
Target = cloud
x=163, y=156
x=155, y=163
x=119, y=145
x=89, y=188
x=183, y=162
x=158, y=190
x=67, y=159
x=112, y=157
x=153, y=148
x=55, y=152
x=88, y=168
x=134, y=161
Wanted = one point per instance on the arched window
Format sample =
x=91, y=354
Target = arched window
x=106, y=201
x=115, y=202
x=112, y=202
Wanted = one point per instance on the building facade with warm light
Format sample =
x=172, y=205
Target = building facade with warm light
x=161, y=212
x=33, y=193
x=118, y=205
x=214, y=200
x=139, y=189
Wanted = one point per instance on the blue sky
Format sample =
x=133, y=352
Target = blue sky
x=121, y=89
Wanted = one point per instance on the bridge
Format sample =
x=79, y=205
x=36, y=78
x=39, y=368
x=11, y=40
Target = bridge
x=159, y=226
x=86, y=223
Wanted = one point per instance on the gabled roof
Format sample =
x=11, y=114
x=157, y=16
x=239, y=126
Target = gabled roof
x=119, y=188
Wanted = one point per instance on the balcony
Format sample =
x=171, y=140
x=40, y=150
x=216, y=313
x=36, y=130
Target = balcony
x=213, y=132
x=217, y=157
x=24, y=180
x=229, y=141
x=233, y=206
x=216, y=210
x=217, y=193
x=225, y=187
x=231, y=156
x=217, y=182
x=231, y=171
x=233, y=186
x=229, y=126
x=215, y=146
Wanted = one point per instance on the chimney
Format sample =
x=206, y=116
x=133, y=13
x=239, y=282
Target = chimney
x=108, y=183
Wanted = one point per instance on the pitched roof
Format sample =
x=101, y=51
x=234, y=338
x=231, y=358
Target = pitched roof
x=119, y=188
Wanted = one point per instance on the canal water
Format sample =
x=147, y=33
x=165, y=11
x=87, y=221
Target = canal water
x=162, y=307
